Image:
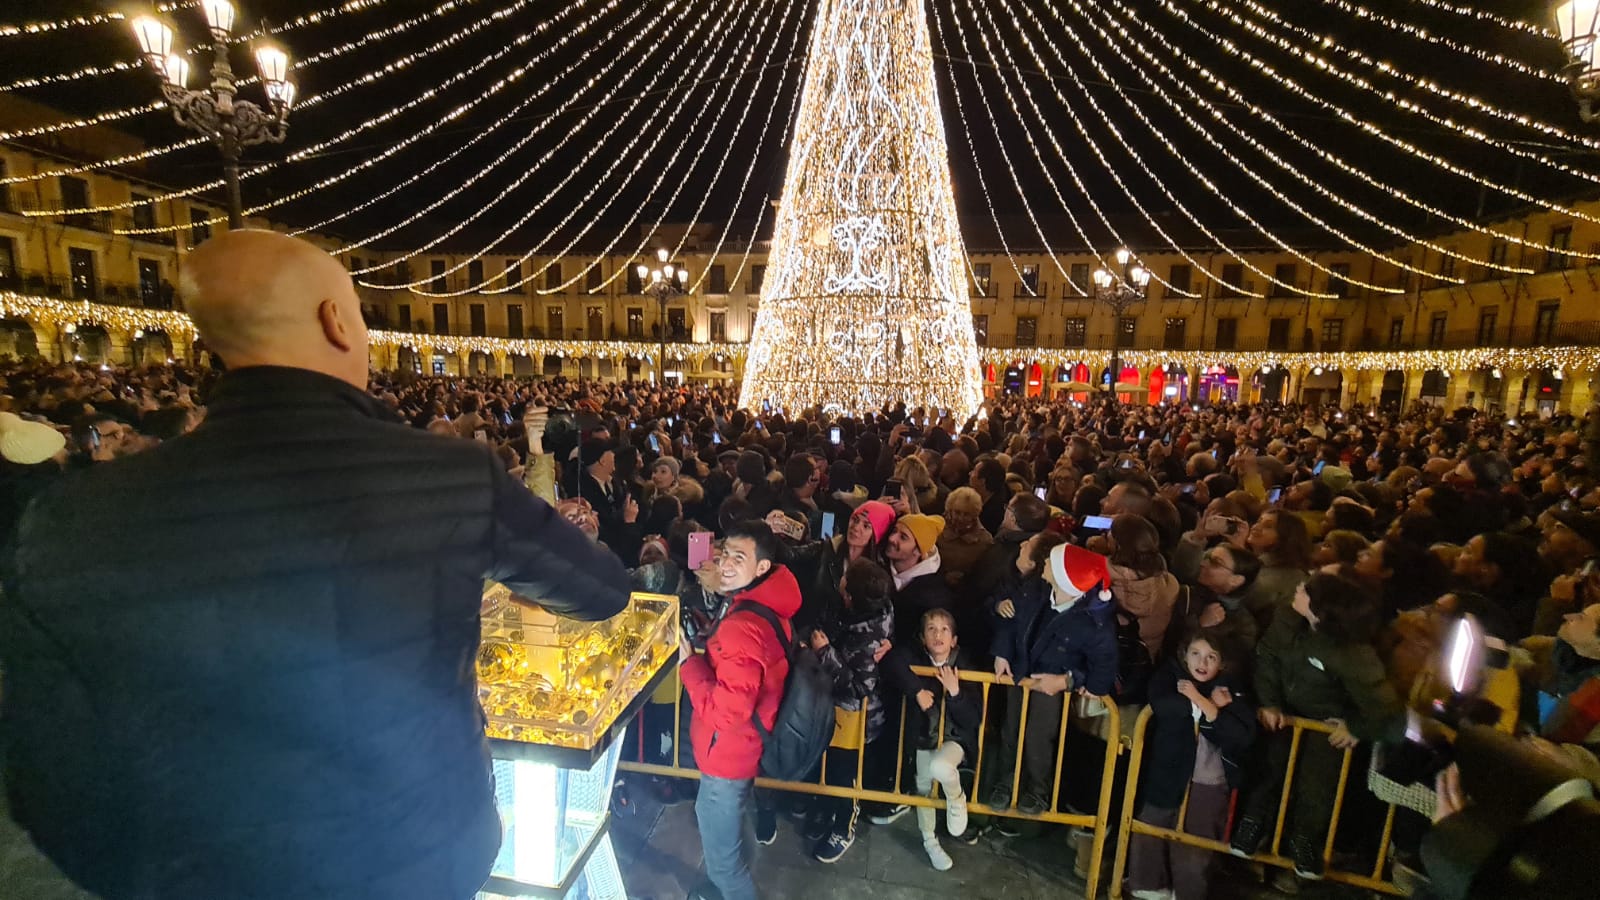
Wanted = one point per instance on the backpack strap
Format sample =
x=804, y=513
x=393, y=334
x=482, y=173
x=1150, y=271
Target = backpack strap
x=766, y=614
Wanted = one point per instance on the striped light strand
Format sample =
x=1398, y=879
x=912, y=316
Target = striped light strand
x=1483, y=15
x=662, y=168
x=1377, y=132
x=1428, y=37
x=1315, y=184
x=515, y=44
x=616, y=124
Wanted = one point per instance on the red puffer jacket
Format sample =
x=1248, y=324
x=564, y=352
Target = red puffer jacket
x=742, y=671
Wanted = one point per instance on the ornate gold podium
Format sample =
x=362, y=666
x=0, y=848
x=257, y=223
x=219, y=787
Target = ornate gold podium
x=558, y=695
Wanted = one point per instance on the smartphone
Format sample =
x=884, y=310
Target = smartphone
x=1317, y=469
x=766, y=406
x=1097, y=523
x=1041, y=491
x=1274, y=495
x=835, y=435
x=827, y=525
x=716, y=437
x=891, y=489
x=1126, y=464
x=655, y=442
x=1213, y=454
x=1167, y=439
x=481, y=436
x=699, y=548
x=1141, y=434
x=1186, y=489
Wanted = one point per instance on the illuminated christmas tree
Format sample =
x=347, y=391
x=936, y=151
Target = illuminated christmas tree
x=865, y=301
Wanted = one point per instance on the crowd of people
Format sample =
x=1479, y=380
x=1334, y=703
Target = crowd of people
x=1232, y=566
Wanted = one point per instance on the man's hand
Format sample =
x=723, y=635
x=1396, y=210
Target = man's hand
x=881, y=650
x=1050, y=685
x=1213, y=615
x=534, y=420
x=1564, y=589
x=1447, y=788
x=1002, y=670
x=630, y=511
x=819, y=641
x=1341, y=738
x=1271, y=718
x=949, y=678
x=925, y=699
x=1221, y=696
x=1005, y=609
x=709, y=576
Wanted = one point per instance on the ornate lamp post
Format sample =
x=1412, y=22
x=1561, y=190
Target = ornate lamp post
x=663, y=283
x=1119, y=289
x=214, y=110
x=1578, y=21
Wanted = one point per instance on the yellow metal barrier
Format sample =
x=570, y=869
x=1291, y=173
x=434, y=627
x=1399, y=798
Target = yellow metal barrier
x=1130, y=826
x=1099, y=823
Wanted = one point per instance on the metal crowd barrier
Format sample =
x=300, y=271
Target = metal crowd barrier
x=1130, y=826
x=1098, y=824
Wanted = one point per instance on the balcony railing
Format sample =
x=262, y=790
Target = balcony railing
x=1575, y=334
x=64, y=287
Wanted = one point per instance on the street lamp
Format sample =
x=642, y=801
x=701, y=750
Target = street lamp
x=1119, y=289
x=1578, y=21
x=663, y=283
x=213, y=110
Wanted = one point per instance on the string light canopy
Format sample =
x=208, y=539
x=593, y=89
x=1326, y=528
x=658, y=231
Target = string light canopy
x=865, y=304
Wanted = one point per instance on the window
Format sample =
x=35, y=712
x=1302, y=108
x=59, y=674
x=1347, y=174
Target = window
x=144, y=212
x=475, y=274
x=403, y=312
x=758, y=277
x=1079, y=275
x=595, y=324
x=717, y=279
x=1283, y=279
x=514, y=327
x=8, y=261
x=719, y=327
x=513, y=273
x=1029, y=286
x=150, y=282
x=441, y=318
x=677, y=324
x=1232, y=281
x=75, y=195
x=80, y=263
x=199, y=228
x=1397, y=331
x=980, y=330
x=1402, y=277
x=635, y=321
x=1499, y=250
x=1077, y=332
x=5, y=189
x=1487, y=320
x=1560, y=240
x=1332, y=334
x=1278, y=334
x=635, y=284
x=1178, y=279
x=1544, y=327
x=1338, y=279
x=552, y=277
x=1447, y=266
x=982, y=279
x=436, y=269
x=1172, y=338
x=1125, y=331
x=1027, y=331
x=1227, y=334
x=555, y=327
x=1436, y=329
x=356, y=263
x=479, y=319
x=592, y=282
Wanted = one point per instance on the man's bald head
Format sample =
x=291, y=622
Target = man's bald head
x=260, y=298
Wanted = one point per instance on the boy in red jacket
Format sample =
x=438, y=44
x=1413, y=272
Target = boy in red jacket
x=740, y=675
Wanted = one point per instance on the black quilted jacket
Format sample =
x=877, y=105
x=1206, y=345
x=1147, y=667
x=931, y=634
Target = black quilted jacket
x=241, y=665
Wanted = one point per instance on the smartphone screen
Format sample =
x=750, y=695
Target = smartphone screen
x=699, y=548
x=1040, y=492
x=891, y=488
x=1126, y=464
x=1141, y=434
x=834, y=434
x=655, y=443
x=1317, y=469
x=1274, y=495
x=827, y=525
x=1186, y=489
x=716, y=437
x=1213, y=454
x=1097, y=523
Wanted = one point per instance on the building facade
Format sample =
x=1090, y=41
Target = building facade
x=1213, y=325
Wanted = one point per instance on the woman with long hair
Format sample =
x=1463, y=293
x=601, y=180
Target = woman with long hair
x=1140, y=583
x=1282, y=542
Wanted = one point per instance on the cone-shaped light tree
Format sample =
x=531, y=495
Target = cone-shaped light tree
x=865, y=301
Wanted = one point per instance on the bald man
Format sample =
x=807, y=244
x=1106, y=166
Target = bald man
x=242, y=664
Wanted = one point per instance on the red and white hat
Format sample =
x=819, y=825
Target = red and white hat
x=1076, y=571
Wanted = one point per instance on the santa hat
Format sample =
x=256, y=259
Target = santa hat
x=1076, y=571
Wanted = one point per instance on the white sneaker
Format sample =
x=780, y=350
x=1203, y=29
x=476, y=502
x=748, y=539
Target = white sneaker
x=936, y=855
x=955, y=815
x=1161, y=894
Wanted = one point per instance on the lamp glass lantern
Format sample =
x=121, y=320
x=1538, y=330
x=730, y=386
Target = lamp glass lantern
x=219, y=15
x=176, y=71
x=273, y=63
x=155, y=37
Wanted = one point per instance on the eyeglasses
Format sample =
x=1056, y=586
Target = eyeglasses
x=1212, y=559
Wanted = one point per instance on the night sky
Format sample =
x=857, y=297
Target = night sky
x=636, y=39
